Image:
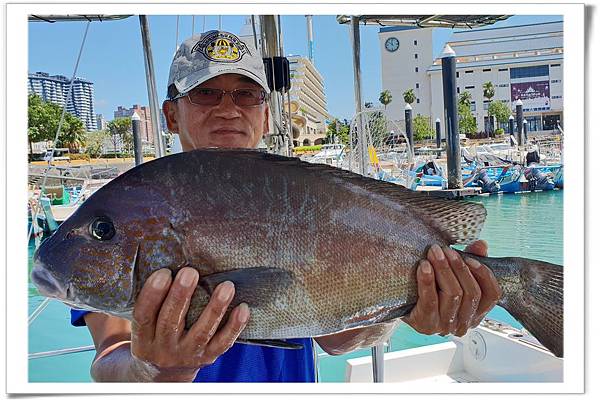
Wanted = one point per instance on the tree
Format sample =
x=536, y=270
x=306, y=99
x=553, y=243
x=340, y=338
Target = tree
x=488, y=93
x=488, y=90
x=466, y=122
x=421, y=128
x=94, y=142
x=385, y=98
x=43, y=119
x=500, y=111
x=465, y=98
x=120, y=131
x=409, y=96
x=368, y=105
x=338, y=129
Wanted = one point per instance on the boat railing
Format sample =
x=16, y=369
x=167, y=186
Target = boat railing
x=64, y=351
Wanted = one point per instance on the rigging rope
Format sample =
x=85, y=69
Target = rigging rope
x=177, y=34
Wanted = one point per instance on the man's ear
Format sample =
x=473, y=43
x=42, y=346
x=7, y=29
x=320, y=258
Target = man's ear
x=169, y=108
x=266, y=123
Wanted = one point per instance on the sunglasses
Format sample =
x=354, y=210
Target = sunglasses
x=213, y=97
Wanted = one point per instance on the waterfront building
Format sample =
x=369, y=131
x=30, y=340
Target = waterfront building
x=145, y=119
x=307, y=96
x=522, y=62
x=55, y=89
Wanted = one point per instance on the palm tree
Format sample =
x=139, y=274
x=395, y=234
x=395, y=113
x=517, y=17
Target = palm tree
x=409, y=96
x=385, y=98
x=488, y=93
x=465, y=98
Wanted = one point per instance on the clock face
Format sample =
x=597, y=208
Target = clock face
x=392, y=44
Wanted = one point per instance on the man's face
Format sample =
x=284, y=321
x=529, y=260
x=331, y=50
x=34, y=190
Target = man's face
x=225, y=125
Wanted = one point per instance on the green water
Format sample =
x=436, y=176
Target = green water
x=528, y=225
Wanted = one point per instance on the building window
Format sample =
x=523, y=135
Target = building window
x=416, y=56
x=416, y=69
x=418, y=100
x=415, y=42
x=417, y=85
x=534, y=123
x=486, y=104
x=473, y=106
x=555, y=81
x=487, y=69
x=469, y=87
x=469, y=72
x=557, y=97
x=554, y=65
x=457, y=89
x=503, y=69
x=456, y=74
x=529, y=72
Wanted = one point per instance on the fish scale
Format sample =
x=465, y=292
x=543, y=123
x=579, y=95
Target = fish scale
x=313, y=250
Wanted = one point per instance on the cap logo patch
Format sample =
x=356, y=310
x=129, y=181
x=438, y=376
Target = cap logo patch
x=221, y=47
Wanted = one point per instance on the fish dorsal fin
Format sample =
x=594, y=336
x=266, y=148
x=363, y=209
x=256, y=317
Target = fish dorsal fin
x=459, y=221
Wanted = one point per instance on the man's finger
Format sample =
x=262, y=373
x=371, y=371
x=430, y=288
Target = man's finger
x=450, y=293
x=471, y=292
x=490, y=290
x=207, y=324
x=171, y=318
x=226, y=336
x=479, y=248
x=425, y=315
x=148, y=305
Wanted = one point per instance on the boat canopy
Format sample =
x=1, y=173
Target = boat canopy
x=426, y=21
x=74, y=17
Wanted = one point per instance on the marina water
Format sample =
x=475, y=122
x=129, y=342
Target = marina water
x=528, y=225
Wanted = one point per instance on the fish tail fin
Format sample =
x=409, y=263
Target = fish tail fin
x=532, y=294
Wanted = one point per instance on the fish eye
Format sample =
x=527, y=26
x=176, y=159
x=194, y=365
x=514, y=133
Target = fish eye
x=102, y=229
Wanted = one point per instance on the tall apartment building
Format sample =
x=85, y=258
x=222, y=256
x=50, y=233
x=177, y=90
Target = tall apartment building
x=308, y=93
x=55, y=89
x=522, y=62
x=146, y=121
x=101, y=122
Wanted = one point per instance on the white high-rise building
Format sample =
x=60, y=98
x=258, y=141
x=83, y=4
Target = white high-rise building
x=55, y=89
x=522, y=62
x=308, y=93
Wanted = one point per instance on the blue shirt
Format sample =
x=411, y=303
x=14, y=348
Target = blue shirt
x=251, y=363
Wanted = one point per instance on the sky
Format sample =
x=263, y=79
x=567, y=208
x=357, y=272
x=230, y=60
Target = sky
x=113, y=57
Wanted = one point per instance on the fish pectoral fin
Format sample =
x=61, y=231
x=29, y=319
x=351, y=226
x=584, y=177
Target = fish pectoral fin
x=271, y=343
x=377, y=314
x=255, y=286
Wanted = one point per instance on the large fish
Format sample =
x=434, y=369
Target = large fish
x=311, y=249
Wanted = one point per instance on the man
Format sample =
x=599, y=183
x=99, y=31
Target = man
x=217, y=94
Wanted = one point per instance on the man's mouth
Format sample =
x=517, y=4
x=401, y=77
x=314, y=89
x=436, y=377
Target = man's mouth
x=228, y=132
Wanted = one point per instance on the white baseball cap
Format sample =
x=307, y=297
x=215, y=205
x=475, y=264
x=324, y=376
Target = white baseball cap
x=210, y=54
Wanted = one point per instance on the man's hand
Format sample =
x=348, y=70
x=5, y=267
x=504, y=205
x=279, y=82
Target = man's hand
x=162, y=349
x=454, y=296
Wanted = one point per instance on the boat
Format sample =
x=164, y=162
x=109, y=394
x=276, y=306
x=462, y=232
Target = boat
x=484, y=355
x=331, y=154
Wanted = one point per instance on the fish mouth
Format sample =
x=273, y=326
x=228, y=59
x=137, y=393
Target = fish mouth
x=47, y=284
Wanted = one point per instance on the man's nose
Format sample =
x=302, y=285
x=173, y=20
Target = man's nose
x=227, y=107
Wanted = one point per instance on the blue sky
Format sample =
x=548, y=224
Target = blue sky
x=113, y=57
